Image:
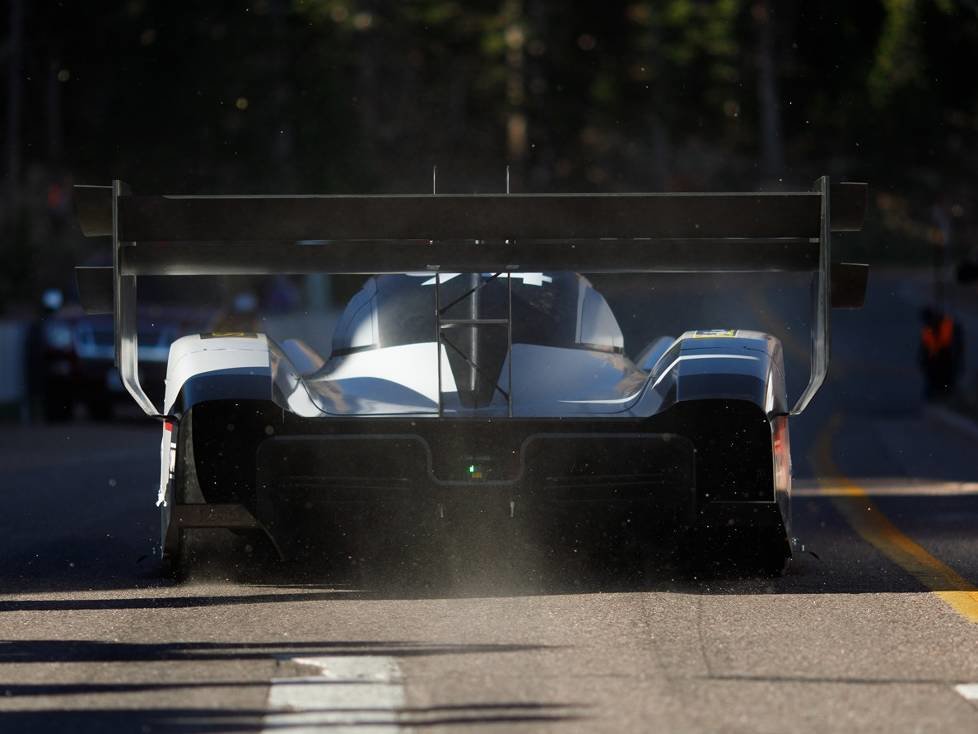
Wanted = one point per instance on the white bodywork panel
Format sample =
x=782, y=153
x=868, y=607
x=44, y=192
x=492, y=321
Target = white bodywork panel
x=196, y=354
x=389, y=381
x=166, y=464
x=403, y=380
x=547, y=381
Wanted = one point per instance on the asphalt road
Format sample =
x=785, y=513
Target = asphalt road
x=873, y=628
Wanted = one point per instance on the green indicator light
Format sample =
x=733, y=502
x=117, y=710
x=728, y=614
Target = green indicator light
x=471, y=468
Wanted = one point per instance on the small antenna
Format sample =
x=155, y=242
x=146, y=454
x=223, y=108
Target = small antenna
x=434, y=179
x=507, y=192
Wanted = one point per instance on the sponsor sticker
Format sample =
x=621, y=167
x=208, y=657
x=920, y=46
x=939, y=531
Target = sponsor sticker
x=238, y=334
x=715, y=334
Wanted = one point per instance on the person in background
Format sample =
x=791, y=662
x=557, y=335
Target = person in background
x=39, y=402
x=240, y=316
x=941, y=353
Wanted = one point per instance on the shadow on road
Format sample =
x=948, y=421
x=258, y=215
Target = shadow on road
x=92, y=719
x=89, y=651
x=213, y=720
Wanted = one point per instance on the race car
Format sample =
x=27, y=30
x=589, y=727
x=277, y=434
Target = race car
x=477, y=365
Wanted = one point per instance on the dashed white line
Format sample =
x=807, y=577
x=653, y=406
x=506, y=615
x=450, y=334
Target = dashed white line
x=351, y=693
x=968, y=690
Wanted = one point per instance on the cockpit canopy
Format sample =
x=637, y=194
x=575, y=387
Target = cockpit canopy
x=559, y=309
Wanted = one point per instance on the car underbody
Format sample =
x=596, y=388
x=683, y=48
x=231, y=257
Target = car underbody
x=700, y=470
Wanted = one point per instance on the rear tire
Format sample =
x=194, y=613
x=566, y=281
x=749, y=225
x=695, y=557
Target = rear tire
x=223, y=552
x=173, y=540
x=173, y=545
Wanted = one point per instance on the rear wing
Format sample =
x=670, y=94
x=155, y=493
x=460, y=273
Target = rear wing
x=263, y=235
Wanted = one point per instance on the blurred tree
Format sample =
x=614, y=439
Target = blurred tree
x=361, y=95
x=772, y=146
x=680, y=73
x=898, y=59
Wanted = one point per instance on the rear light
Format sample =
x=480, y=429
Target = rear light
x=781, y=445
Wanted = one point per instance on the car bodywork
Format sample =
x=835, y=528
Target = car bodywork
x=496, y=373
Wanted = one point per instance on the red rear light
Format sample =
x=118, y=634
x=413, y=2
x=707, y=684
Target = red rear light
x=782, y=454
x=168, y=426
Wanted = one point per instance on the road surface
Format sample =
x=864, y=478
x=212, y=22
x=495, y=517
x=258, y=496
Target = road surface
x=875, y=627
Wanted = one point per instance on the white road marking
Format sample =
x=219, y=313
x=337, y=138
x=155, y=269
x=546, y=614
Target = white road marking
x=352, y=693
x=968, y=690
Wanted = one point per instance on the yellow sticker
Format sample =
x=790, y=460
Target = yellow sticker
x=715, y=334
x=238, y=334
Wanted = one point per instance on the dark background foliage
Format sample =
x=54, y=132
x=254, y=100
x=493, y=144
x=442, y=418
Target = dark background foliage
x=339, y=96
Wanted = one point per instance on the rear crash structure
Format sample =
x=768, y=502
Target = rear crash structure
x=476, y=366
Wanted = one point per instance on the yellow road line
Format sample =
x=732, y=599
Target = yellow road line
x=855, y=505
